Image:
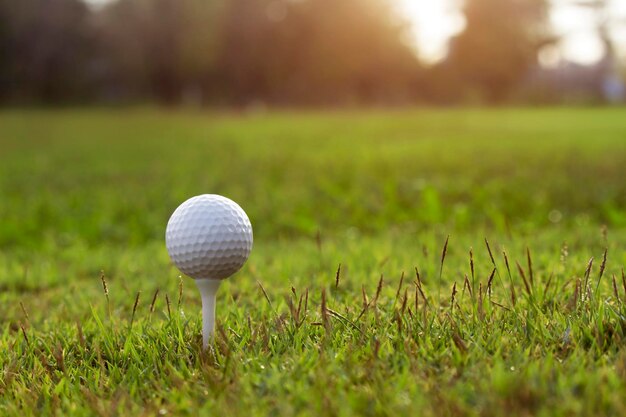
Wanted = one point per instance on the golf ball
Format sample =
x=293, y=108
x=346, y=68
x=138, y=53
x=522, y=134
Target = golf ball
x=209, y=236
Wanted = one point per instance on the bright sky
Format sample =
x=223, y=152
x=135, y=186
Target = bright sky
x=434, y=21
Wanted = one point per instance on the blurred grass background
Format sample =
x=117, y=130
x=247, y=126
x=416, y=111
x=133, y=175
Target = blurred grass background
x=103, y=177
x=83, y=190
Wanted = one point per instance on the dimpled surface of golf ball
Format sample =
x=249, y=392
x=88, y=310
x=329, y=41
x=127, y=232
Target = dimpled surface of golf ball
x=209, y=236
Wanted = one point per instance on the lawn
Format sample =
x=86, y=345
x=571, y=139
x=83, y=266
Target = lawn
x=406, y=262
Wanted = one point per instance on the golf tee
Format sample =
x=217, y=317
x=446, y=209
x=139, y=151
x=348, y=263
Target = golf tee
x=208, y=291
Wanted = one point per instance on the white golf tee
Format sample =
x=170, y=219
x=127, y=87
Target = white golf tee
x=208, y=291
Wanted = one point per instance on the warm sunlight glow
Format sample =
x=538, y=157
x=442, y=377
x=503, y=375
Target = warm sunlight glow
x=579, y=42
x=584, y=48
x=433, y=23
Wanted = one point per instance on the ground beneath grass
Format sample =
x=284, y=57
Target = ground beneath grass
x=423, y=262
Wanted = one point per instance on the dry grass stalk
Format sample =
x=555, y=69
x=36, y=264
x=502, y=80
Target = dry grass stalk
x=587, y=273
x=493, y=261
x=399, y=288
x=471, y=262
x=615, y=291
x=378, y=290
x=418, y=283
x=324, y=311
x=337, y=275
x=153, y=303
x=481, y=310
x=265, y=293
x=602, y=268
x=530, y=268
x=105, y=288
x=443, y=259
x=132, y=317
x=523, y=275
x=180, y=293
x=169, y=309
x=467, y=285
x=452, y=298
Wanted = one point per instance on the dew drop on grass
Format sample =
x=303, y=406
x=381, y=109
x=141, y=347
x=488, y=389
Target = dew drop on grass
x=555, y=216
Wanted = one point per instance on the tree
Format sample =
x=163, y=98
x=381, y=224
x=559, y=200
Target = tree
x=46, y=48
x=315, y=51
x=498, y=46
x=229, y=51
x=159, y=48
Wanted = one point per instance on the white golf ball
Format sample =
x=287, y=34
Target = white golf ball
x=209, y=236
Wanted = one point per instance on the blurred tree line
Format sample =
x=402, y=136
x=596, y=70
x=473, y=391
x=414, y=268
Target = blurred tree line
x=244, y=51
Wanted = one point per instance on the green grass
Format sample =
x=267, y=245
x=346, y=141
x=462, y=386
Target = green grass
x=377, y=192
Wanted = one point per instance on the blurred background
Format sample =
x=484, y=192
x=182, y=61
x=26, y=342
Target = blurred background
x=257, y=53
